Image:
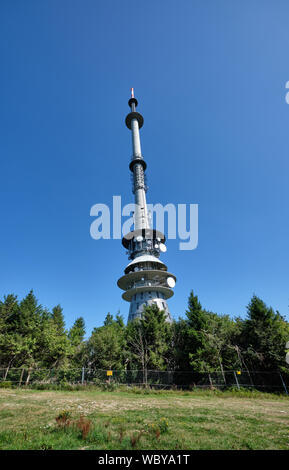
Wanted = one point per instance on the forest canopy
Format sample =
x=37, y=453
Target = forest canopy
x=201, y=341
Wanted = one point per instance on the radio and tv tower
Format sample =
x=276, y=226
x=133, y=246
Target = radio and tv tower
x=146, y=280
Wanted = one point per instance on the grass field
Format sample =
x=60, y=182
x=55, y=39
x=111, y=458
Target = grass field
x=96, y=419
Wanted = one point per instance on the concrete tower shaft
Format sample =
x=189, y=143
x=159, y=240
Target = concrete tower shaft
x=135, y=139
x=146, y=280
x=134, y=121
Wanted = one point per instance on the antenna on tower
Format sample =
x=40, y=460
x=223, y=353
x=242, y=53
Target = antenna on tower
x=132, y=102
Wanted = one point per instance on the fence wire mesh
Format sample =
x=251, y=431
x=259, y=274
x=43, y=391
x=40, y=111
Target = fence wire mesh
x=260, y=380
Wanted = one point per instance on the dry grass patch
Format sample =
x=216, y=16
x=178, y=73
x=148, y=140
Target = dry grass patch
x=118, y=420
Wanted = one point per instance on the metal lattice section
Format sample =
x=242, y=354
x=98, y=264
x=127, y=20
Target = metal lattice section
x=138, y=178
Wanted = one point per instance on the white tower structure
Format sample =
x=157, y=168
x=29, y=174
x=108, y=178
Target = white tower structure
x=146, y=280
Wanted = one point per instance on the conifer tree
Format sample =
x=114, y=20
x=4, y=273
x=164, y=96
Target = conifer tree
x=9, y=339
x=263, y=336
x=58, y=319
x=108, y=320
x=105, y=347
x=77, y=332
x=148, y=340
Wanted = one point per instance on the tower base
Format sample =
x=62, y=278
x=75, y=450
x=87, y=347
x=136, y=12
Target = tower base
x=144, y=299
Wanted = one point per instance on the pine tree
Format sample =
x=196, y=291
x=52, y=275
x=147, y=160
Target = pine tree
x=54, y=342
x=263, y=336
x=148, y=340
x=77, y=332
x=197, y=325
x=58, y=319
x=9, y=341
x=105, y=347
x=108, y=320
x=27, y=323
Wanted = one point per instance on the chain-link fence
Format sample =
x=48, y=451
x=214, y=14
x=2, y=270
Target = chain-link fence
x=260, y=380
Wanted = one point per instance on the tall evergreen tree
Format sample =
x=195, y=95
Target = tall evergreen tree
x=105, y=346
x=148, y=340
x=194, y=329
x=263, y=336
x=77, y=332
x=108, y=320
x=27, y=323
x=78, y=345
x=9, y=339
x=58, y=319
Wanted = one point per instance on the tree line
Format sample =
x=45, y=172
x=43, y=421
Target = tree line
x=202, y=341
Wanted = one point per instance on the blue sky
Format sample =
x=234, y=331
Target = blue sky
x=210, y=79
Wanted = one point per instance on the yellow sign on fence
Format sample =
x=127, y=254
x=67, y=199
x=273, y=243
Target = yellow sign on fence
x=109, y=372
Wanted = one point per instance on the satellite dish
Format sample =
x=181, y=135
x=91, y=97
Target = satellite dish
x=156, y=245
x=158, y=239
x=139, y=238
x=163, y=248
x=136, y=269
x=149, y=242
x=171, y=282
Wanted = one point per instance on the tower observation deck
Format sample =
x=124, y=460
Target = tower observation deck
x=146, y=280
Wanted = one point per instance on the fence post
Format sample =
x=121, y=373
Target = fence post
x=251, y=380
x=210, y=380
x=236, y=380
x=28, y=376
x=6, y=373
x=285, y=388
x=21, y=377
x=82, y=376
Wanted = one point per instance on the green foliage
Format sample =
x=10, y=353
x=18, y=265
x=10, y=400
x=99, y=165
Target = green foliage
x=30, y=336
x=77, y=332
x=6, y=384
x=263, y=336
x=206, y=342
x=148, y=340
x=109, y=386
x=158, y=427
x=198, y=325
x=105, y=347
x=33, y=338
x=58, y=319
x=77, y=344
x=108, y=321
